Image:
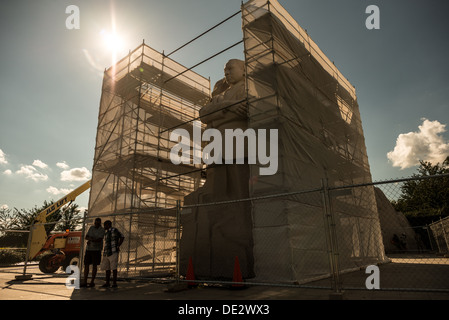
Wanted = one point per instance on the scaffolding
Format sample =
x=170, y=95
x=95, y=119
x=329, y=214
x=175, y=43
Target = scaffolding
x=292, y=87
x=132, y=153
x=144, y=95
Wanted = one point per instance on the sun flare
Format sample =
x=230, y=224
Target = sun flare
x=113, y=44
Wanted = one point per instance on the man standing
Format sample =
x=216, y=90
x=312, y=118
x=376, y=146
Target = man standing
x=113, y=239
x=92, y=256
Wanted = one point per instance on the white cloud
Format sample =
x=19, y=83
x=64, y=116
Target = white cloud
x=75, y=174
x=31, y=172
x=40, y=164
x=55, y=191
x=62, y=165
x=7, y=172
x=427, y=145
x=3, y=157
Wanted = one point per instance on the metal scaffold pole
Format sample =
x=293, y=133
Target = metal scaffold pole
x=331, y=238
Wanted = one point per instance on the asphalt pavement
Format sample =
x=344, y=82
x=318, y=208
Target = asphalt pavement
x=58, y=286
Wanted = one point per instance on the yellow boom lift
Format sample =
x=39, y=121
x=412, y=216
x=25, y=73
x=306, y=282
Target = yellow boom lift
x=38, y=235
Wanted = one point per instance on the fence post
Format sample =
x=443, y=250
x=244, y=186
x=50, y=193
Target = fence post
x=331, y=239
x=130, y=235
x=178, y=238
x=427, y=227
x=443, y=230
x=83, y=235
x=24, y=276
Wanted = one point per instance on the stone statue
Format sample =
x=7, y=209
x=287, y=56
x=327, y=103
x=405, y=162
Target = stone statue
x=214, y=235
x=226, y=92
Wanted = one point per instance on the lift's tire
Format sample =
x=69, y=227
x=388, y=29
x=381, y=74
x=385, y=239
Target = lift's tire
x=71, y=259
x=46, y=265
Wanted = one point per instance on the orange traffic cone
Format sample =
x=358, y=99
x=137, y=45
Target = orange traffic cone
x=237, y=274
x=190, y=274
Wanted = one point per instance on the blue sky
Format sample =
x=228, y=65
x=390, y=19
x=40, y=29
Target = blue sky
x=51, y=77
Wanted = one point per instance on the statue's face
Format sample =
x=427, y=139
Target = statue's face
x=234, y=72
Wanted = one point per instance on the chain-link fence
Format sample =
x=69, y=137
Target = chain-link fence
x=329, y=237
x=410, y=214
x=150, y=242
x=52, y=246
x=13, y=246
x=440, y=240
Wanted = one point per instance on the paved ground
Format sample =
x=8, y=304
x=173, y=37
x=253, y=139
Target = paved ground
x=53, y=287
x=216, y=302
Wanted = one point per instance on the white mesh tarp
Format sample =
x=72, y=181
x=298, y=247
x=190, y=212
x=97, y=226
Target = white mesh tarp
x=293, y=87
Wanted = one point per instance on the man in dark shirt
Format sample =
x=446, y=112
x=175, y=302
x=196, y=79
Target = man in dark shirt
x=92, y=256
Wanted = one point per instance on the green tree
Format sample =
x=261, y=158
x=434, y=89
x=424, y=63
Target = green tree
x=428, y=196
x=23, y=218
x=5, y=218
x=70, y=218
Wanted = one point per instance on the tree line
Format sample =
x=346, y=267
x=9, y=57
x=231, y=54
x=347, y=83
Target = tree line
x=426, y=198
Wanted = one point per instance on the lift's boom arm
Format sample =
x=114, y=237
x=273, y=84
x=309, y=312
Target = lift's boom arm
x=39, y=235
x=42, y=216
